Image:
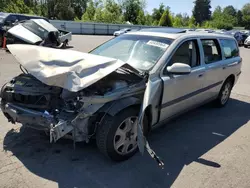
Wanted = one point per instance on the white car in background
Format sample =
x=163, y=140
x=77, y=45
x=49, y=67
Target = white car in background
x=247, y=42
x=122, y=31
x=35, y=32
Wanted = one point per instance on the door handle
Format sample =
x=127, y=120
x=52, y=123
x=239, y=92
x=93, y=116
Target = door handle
x=200, y=75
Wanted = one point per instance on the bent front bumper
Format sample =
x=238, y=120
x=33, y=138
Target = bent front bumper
x=37, y=120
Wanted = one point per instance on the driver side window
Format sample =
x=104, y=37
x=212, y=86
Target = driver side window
x=187, y=53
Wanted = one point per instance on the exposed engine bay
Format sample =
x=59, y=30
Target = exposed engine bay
x=27, y=100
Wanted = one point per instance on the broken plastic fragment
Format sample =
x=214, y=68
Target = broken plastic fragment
x=143, y=143
x=154, y=156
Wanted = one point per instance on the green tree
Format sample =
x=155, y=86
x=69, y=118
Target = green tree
x=246, y=15
x=18, y=6
x=157, y=13
x=239, y=18
x=201, y=11
x=148, y=20
x=177, y=21
x=112, y=12
x=185, y=19
x=230, y=10
x=166, y=19
x=63, y=10
x=131, y=10
x=191, y=23
x=79, y=7
x=141, y=19
x=89, y=14
x=217, y=13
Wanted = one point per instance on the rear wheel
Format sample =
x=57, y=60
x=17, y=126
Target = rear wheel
x=225, y=93
x=117, y=136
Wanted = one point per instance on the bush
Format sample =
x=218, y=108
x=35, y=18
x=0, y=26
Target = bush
x=222, y=25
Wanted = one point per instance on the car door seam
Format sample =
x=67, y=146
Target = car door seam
x=177, y=100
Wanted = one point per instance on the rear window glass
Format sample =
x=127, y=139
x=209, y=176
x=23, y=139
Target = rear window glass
x=229, y=48
x=212, y=52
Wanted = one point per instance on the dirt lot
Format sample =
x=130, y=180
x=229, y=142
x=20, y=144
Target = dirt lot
x=207, y=147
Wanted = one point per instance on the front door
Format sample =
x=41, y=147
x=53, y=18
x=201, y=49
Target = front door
x=181, y=92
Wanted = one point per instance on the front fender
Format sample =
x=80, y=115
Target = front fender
x=114, y=107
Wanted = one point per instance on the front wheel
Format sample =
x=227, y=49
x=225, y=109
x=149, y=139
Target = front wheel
x=225, y=93
x=117, y=136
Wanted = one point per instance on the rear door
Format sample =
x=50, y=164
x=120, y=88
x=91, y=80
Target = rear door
x=212, y=57
x=181, y=92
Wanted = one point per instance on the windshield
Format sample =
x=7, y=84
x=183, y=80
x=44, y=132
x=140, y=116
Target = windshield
x=141, y=52
x=35, y=28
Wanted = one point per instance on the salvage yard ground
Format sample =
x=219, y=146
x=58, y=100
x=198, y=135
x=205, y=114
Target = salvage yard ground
x=207, y=147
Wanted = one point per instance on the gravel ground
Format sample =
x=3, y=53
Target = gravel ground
x=205, y=148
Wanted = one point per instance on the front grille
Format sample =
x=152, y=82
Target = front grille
x=30, y=100
x=27, y=91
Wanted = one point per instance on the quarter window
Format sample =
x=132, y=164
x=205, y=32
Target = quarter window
x=187, y=53
x=229, y=48
x=212, y=52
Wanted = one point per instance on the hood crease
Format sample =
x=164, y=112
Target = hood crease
x=68, y=69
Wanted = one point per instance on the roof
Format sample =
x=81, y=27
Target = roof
x=28, y=15
x=177, y=35
x=164, y=30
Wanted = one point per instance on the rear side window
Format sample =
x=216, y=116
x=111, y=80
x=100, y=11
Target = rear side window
x=229, y=48
x=212, y=51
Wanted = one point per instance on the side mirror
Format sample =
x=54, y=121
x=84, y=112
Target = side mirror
x=179, y=69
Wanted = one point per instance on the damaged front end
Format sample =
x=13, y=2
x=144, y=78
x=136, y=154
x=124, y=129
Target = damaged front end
x=28, y=101
x=69, y=94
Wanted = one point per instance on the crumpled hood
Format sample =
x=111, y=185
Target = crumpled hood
x=68, y=69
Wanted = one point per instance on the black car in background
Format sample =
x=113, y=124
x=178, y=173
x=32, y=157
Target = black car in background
x=8, y=20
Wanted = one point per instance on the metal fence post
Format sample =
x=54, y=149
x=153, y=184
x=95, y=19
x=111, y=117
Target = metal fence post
x=81, y=28
x=65, y=27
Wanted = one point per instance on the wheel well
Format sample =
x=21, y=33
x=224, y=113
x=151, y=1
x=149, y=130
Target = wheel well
x=232, y=78
x=99, y=116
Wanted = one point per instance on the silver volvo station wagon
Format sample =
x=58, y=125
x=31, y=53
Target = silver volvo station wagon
x=121, y=90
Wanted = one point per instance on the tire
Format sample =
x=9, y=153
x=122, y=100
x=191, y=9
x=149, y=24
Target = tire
x=108, y=135
x=65, y=43
x=245, y=46
x=225, y=93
